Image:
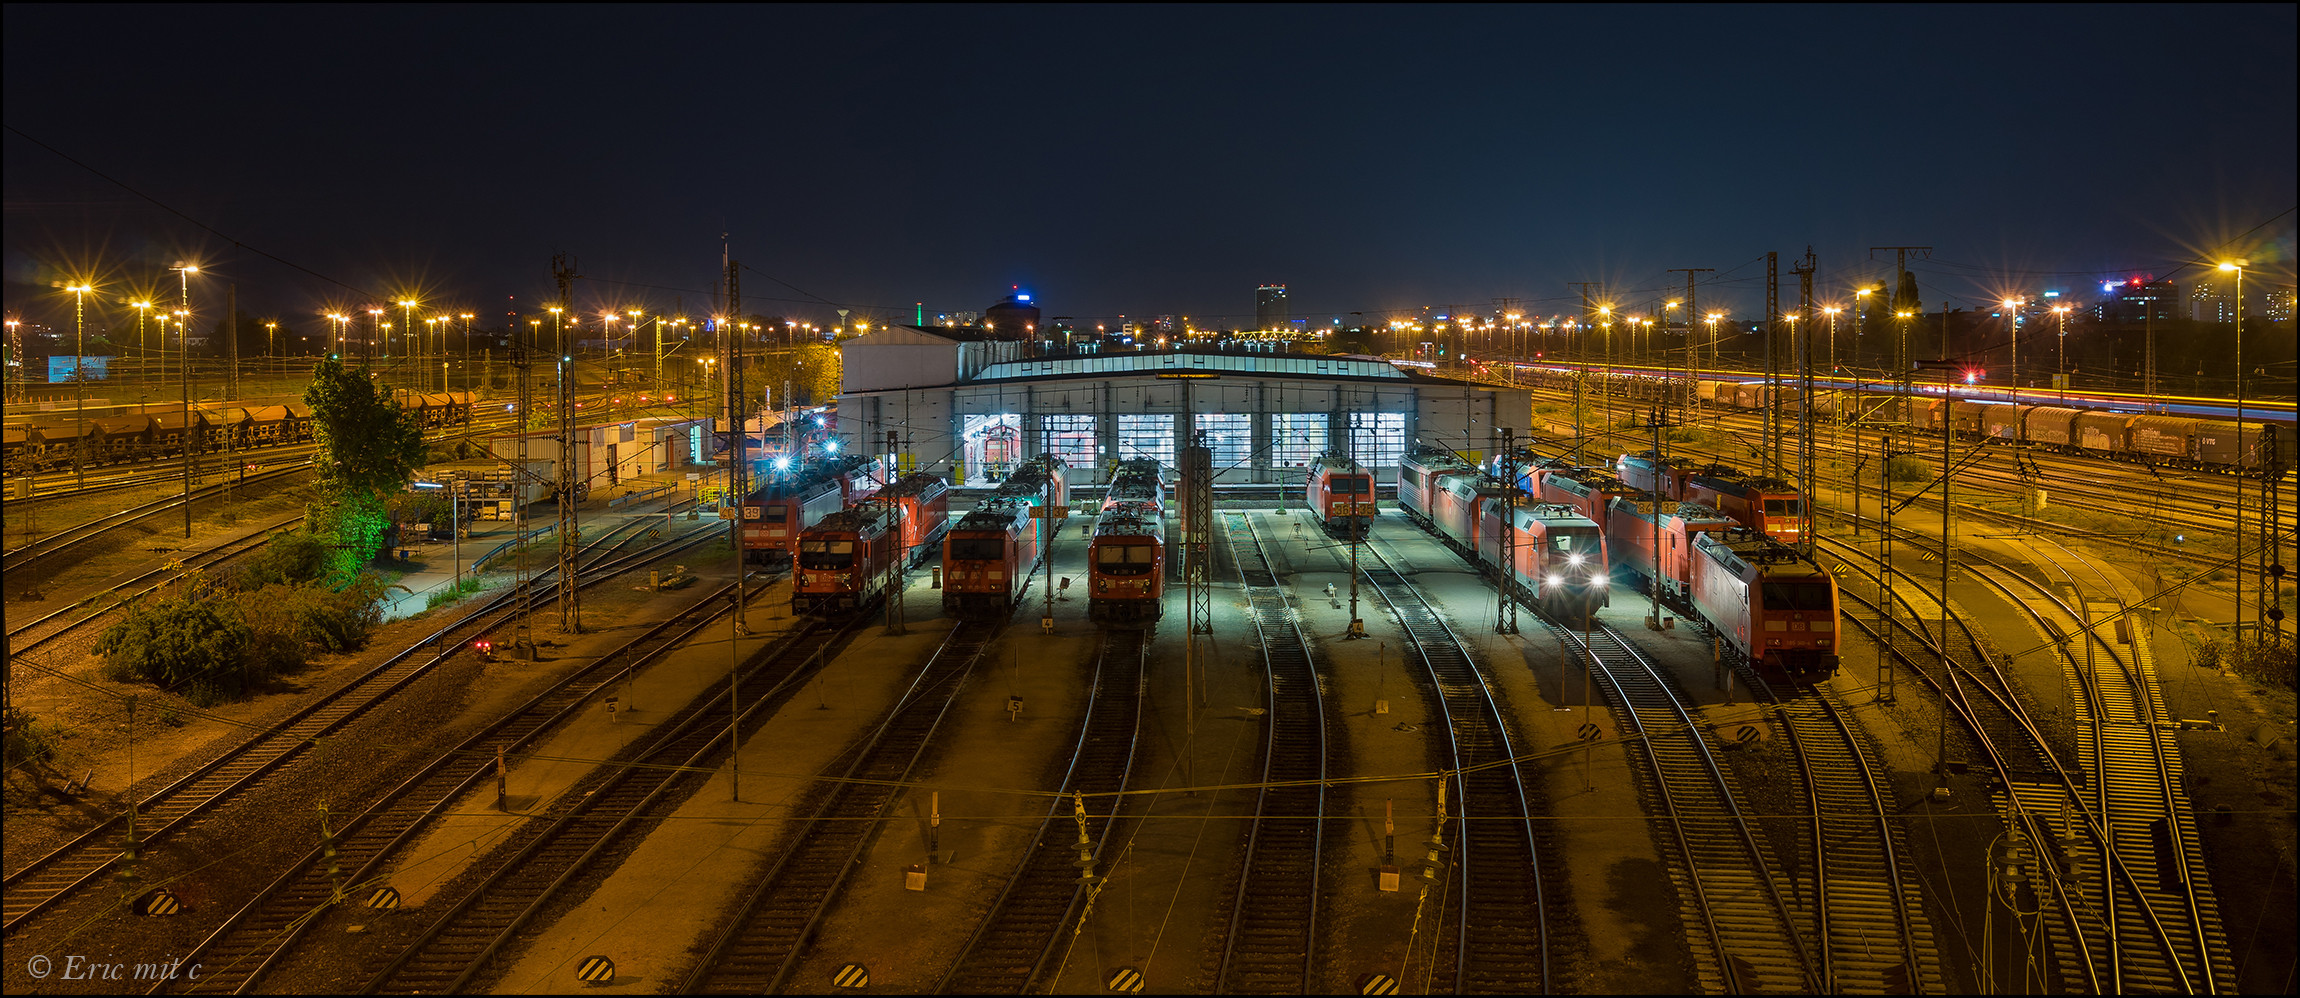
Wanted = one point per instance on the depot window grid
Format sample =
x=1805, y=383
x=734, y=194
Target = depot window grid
x=1071, y=438
x=1297, y=438
x=1377, y=439
x=1146, y=437
x=1229, y=436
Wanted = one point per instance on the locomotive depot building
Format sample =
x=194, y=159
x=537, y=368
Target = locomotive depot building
x=969, y=408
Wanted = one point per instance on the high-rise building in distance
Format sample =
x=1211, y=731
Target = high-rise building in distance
x=1270, y=307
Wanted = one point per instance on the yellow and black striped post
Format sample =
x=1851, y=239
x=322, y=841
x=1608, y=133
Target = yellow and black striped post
x=853, y=975
x=595, y=970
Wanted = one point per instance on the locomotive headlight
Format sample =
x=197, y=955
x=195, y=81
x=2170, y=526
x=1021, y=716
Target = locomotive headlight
x=1574, y=561
x=1597, y=580
x=1557, y=580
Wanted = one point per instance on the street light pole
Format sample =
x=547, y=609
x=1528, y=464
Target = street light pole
x=80, y=382
x=2237, y=633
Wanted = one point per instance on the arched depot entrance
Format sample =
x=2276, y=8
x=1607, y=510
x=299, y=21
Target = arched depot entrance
x=989, y=448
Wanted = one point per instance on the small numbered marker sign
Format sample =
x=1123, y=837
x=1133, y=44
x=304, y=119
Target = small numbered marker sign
x=384, y=899
x=1377, y=984
x=853, y=975
x=595, y=970
x=158, y=902
x=1126, y=979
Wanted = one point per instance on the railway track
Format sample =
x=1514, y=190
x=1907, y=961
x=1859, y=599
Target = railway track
x=254, y=939
x=1272, y=942
x=29, y=554
x=762, y=942
x=1863, y=900
x=1740, y=927
x=1499, y=918
x=183, y=804
x=2046, y=807
x=40, y=631
x=2164, y=934
x=1012, y=946
x=516, y=883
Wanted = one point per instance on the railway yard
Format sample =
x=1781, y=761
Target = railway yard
x=2035, y=781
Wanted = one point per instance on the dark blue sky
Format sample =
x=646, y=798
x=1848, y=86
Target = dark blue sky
x=1141, y=160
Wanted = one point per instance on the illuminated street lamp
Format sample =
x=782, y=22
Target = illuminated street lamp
x=271, y=329
x=406, y=327
x=431, y=326
x=375, y=324
x=2062, y=312
x=2237, y=267
x=142, y=348
x=80, y=379
x=2012, y=325
x=1831, y=311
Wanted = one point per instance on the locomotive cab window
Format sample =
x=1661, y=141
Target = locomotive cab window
x=1125, y=559
x=977, y=549
x=774, y=514
x=1355, y=486
x=1796, y=597
x=1785, y=507
x=826, y=554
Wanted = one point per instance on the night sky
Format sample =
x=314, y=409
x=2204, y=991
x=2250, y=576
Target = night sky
x=1137, y=161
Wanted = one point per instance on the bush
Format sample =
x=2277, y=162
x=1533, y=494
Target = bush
x=222, y=647
x=30, y=742
x=2269, y=664
x=197, y=647
x=289, y=558
x=1908, y=469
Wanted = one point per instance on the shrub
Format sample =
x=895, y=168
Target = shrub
x=30, y=741
x=1908, y=469
x=198, y=647
x=289, y=558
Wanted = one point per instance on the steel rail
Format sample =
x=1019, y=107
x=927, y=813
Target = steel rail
x=1271, y=946
x=254, y=939
x=761, y=945
x=1501, y=917
x=1011, y=946
x=519, y=878
x=68, y=868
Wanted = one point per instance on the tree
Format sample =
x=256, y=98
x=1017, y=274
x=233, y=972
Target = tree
x=367, y=445
x=368, y=448
x=1906, y=300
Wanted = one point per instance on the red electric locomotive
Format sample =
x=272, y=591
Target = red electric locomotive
x=1587, y=490
x=923, y=501
x=1558, y=555
x=1418, y=475
x=844, y=561
x=1039, y=481
x=1766, y=605
x=1136, y=481
x=1126, y=566
x=775, y=514
x=987, y=558
x=988, y=554
x=1766, y=504
x=1634, y=522
x=1341, y=496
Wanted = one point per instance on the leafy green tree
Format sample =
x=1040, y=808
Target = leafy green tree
x=196, y=646
x=368, y=448
x=366, y=443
